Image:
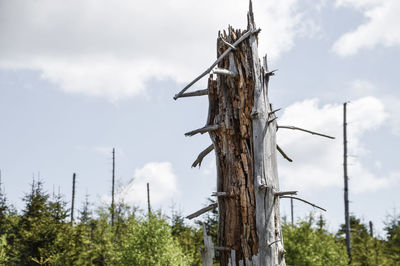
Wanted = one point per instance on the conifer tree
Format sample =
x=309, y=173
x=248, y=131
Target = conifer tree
x=35, y=236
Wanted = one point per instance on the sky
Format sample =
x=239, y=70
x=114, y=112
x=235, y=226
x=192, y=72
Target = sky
x=78, y=78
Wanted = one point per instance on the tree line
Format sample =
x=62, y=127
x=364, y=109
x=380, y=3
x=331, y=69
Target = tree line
x=42, y=234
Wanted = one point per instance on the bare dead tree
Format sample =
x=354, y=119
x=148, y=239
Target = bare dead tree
x=112, y=187
x=346, y=185
x=148, y=200
x=73, y=197
x=242, y=126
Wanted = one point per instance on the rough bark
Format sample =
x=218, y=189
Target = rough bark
x=245, y=147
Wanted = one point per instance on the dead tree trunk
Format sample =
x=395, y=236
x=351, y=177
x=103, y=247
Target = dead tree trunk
x=245, y=147
x=73, y=197
x=346, y=187
x=112, y=188
x=242, y=126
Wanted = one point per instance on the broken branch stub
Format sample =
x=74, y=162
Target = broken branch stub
x=201, y=156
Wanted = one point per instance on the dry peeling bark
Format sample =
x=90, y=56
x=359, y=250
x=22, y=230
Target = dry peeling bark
x=245, y=147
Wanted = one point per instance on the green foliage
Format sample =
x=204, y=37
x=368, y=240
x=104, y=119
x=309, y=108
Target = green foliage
x=43, y=235
x=3, y=250
x=307, y=245
x=366, y=250
x=189, y=238
x=392, y=229
x=150, y=242
x=37, y=231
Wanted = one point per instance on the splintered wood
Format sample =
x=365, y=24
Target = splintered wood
x=245, y=148
x=231, y=100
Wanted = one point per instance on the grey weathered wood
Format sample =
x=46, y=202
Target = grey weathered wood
x=228, y=44
x=305, y=201
x=204, y=210
x=244, y=37
x=222, y=194
x=308, y=131
x=270, y=73
x=207, y=254
x=225, y=72
x=284, y=193
x=195, y=93
x=265, y=163
x=232, y=260
x=202, y=154
x=219, y=194
x=202, y=130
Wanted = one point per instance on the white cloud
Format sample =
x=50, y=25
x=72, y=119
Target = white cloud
x=380, y=27
x=318, y=161
x=362, y=87
x=163, y=185
x=112, y=48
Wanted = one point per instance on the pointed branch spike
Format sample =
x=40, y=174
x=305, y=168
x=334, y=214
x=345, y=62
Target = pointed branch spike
x=274, y=111
x=222, y=194
x=283, y=193
x=202, y=154
x=204, y=210
x=225, y=72
x=308, y=131
x=194, y=93
x=271, y=73
x=283, y=153
x=202, y=130
x=272, y=120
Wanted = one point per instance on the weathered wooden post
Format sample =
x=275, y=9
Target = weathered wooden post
x=242, y=126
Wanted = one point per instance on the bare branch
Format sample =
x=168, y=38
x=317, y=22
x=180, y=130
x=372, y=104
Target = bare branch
x=305, y=130
x=222, y=194
x=283, y=153
x=219, y=194
x=244, y=36
x=274, y=111
x=204, y=210
x=283, y=193
x=202, y=154
x=312, y=204
x=272, y=120
x=195, y=93
x=271, y=73
x=228, y=44
x=202, y=130
x=225, y=72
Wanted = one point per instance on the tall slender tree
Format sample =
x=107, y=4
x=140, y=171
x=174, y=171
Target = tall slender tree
x=73, y=197
x=112, y=187
x=346, y=185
